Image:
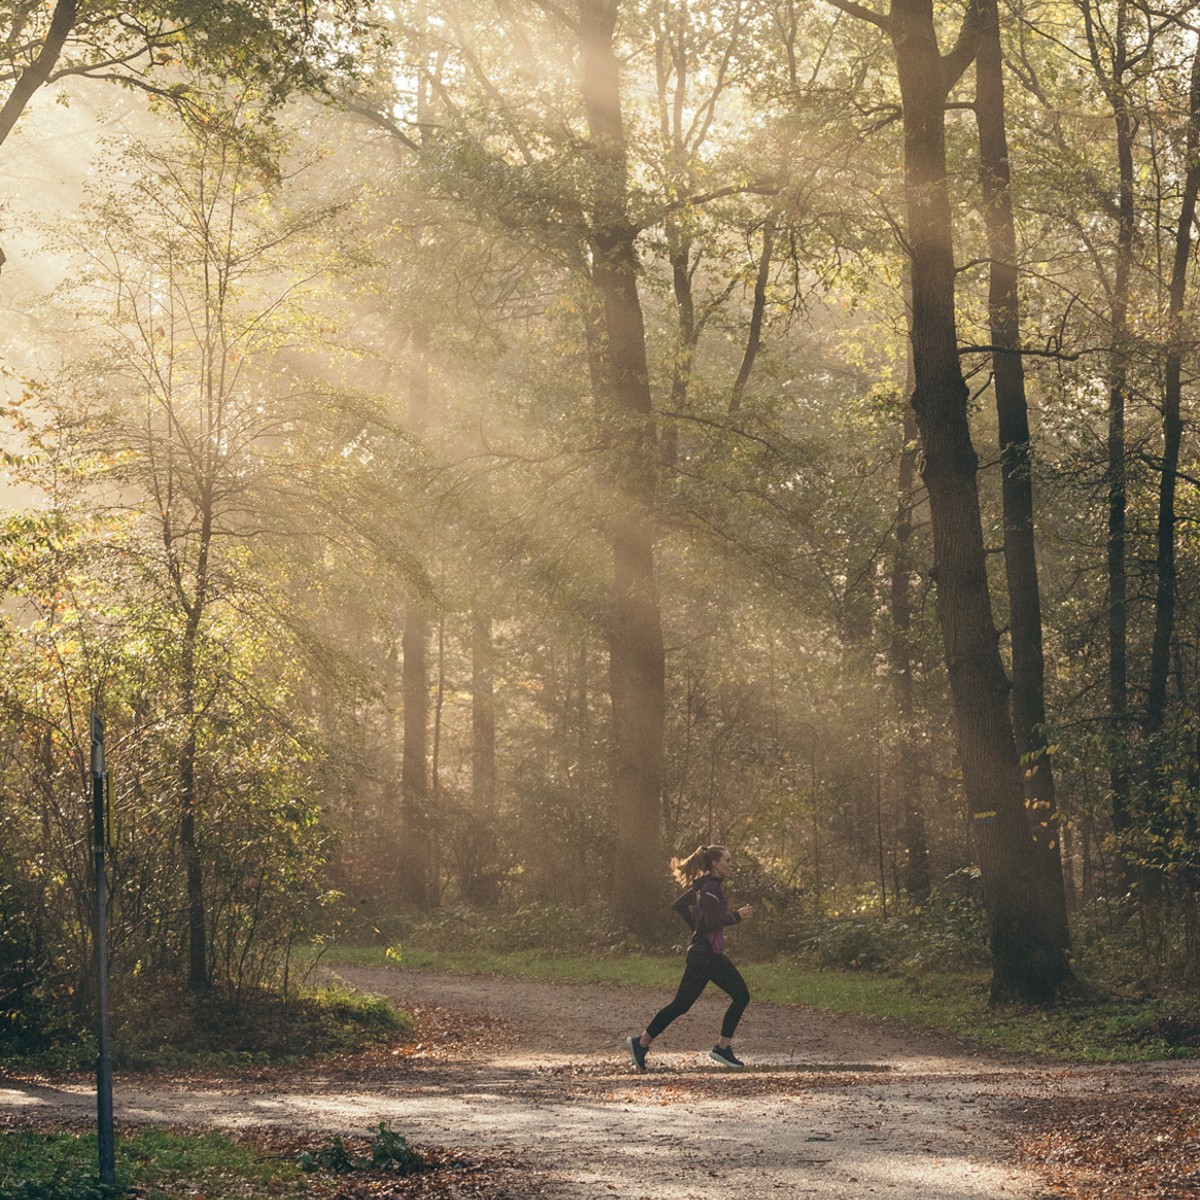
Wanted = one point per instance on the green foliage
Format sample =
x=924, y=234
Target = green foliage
x=945, y=936
x=274, y=47
x=155, y=1163
x=389, y=1151
x=168, y=619
x=331, y=1157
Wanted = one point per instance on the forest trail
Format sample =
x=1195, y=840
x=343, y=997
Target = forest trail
x=837, y=1107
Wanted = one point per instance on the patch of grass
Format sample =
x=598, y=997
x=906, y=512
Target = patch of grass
x=170, y=1030
x=265, y=1029
x=1096, y=1029
x=158, y=1163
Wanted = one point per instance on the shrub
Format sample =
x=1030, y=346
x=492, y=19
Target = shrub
x=390, y=1151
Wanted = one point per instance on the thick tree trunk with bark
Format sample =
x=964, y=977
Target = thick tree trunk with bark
x=1012, y=412
x=635, y=636
x=1029, y=959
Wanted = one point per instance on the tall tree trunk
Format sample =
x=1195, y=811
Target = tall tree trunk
x=189, y=839
x=1012, y=412
x=415, y=882
x=197, y=972
x=1029, y=960
x=189, y=804
x=483, y=886
x=439, y=704
x=635, y=638
x=917, y=882
x=1112, y=79
x=680, y=253
x=758, y=310
x=483, y=718
x=1164, y=605
x=414, y=867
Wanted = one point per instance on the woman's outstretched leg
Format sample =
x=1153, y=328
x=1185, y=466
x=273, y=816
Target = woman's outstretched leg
x=695, y=978
x=729, y=979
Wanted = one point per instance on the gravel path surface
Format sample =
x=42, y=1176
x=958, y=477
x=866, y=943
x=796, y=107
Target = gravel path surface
x=835, y=1107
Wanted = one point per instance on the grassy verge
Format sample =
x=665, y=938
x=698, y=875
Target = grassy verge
x=172, y=1031
x=1112, y=1029
x=270, y=1029
x=156, y=1163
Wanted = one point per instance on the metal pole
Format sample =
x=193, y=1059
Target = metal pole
x=104, y=1095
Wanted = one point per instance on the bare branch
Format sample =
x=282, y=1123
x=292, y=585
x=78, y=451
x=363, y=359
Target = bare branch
x=1025, y=352
x=381, y=121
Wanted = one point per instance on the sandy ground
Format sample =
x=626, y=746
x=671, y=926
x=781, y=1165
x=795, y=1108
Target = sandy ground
x=835, y=1107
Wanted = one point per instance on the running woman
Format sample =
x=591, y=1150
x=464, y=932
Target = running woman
x=704, y=908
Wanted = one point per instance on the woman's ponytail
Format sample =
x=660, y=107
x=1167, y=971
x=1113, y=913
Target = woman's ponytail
x=699, y=862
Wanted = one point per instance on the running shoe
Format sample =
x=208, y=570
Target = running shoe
x=726, y=1057
x=637, y=1052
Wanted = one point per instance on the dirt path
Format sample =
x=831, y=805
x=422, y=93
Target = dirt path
x=836, y=1107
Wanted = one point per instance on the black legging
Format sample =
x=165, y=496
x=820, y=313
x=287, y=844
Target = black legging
x=702, y=968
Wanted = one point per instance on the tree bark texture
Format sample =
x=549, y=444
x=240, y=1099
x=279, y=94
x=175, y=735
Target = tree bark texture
x=1016, y=455
x=1028, y=958
x=635, y=637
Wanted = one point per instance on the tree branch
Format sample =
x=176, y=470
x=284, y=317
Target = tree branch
x=378, y=119
x=39, y=70
x=557, y=11
x=1023, y=351
x=962, y=54
x=863, y=13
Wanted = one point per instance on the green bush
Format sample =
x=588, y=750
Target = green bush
x=948, y=935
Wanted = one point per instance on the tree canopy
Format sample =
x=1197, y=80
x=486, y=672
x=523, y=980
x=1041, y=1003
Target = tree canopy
x=471, y=452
